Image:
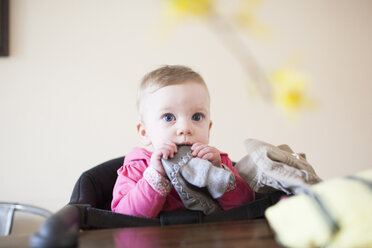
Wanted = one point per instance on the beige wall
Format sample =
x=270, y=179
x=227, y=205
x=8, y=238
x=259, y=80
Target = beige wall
x=67, y=91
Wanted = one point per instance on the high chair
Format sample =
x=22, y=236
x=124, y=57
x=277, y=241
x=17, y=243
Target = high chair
x=90, y=208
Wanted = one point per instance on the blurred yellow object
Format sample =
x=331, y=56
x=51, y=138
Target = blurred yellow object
x=200, y=8
x=246, y=18
x=300, y=222
x=286, y=88
x=289, y=90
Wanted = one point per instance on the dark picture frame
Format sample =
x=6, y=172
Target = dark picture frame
x=4, y=27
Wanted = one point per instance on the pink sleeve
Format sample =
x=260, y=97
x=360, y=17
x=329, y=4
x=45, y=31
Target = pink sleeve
x=137, y=195
x=237, y=195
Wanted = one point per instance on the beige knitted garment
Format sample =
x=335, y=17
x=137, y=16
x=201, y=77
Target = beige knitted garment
x=268, y=168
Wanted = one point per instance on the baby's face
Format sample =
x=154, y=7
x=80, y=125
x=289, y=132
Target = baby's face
x=177, y=113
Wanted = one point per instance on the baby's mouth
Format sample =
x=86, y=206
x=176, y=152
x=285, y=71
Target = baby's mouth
x=184, y=144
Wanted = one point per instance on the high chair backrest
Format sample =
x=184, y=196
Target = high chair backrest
x=94, y=187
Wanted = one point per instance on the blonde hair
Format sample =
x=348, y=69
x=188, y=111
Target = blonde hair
x=165, y=76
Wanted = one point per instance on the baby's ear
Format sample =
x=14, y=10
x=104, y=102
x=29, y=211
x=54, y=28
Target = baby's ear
x=143, y=134
x=209, y=130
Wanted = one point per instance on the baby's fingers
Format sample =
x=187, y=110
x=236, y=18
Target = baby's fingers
x=166, y=153
x=168, y=150
x=171, y=146
x=208, y=156
x=196, y=148
x=206, y=150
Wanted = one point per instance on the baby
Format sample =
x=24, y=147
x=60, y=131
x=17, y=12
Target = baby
x=174, y=108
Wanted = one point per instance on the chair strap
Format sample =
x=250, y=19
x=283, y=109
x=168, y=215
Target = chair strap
x=180, y=217
x=97, y=218
x=252, y=210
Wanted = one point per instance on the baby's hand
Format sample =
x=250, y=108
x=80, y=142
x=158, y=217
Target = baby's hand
x=207, y=152
x=166, y=150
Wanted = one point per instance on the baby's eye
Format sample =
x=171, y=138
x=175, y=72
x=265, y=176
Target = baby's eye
x=169, y=117
x=197, y=117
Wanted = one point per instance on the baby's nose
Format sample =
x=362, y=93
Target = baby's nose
x=184, y=128
x=184, y=132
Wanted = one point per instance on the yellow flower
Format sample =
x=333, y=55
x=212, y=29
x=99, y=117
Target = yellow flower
x=246, y=18
x=200, y=8
x=289, y=90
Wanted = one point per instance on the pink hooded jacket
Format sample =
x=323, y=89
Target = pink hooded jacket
x=141, y=191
